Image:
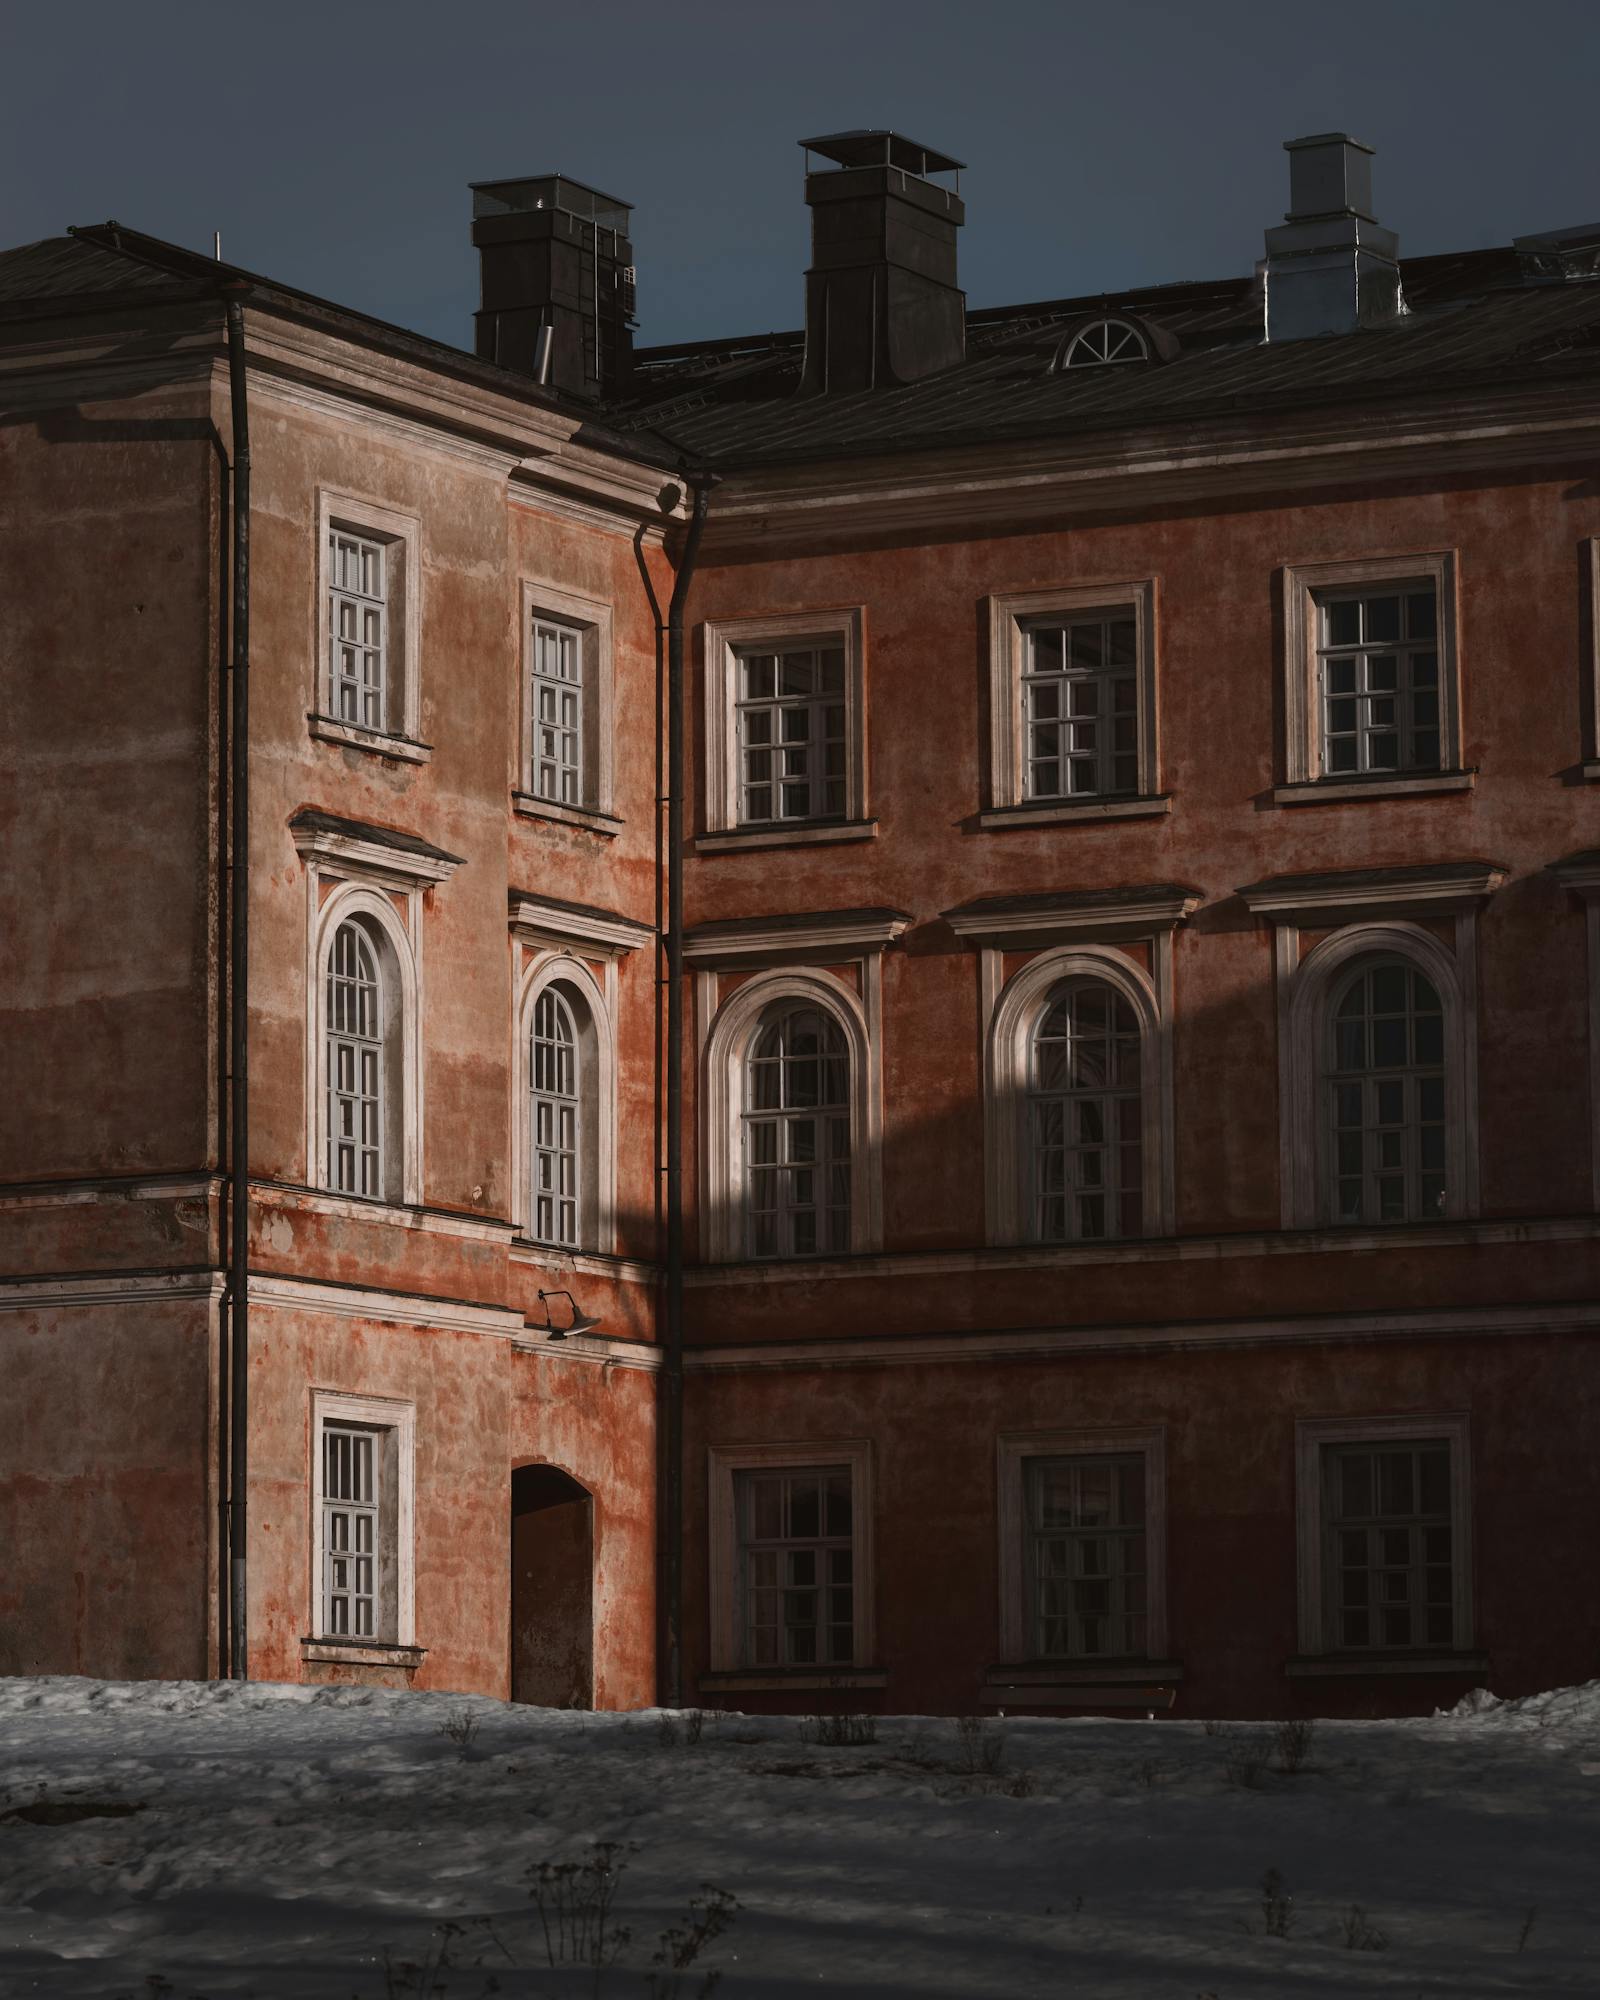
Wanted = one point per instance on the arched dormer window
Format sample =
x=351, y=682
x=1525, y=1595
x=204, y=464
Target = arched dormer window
x=1103, y=343
x=566, y=1142
x=364, y=1050
x=790, y=1141
x=1085, y=1116
x=797, y=1136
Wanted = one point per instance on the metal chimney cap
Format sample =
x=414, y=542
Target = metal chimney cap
x=877, y=146
x=1327, y=139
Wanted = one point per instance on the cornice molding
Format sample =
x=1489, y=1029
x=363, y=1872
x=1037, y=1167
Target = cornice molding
x=1434, y=889
x=732, y=940
x=1074, y=914
x=1579, y=872
x=547, y=920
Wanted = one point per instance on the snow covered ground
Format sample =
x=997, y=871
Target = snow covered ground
x=287, y=1839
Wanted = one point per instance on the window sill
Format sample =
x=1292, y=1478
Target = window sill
x=1342, y=1667
x=1590, y=769
x=528, y=805
x=1116, y=1684
x=755, y=1680
x=1333, y=791
x=802, y=833
x=995, y=818
x=337, y=1652
x=402, y=749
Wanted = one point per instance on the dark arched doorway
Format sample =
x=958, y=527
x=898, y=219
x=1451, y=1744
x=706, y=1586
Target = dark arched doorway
x=552, y=1589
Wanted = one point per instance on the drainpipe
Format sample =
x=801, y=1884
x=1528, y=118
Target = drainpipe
x=239, y=996
x=673, y=1356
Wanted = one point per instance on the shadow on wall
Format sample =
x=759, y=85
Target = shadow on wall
x=552, y=1589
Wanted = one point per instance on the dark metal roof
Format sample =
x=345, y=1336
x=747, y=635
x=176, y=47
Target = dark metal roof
x=67, y=267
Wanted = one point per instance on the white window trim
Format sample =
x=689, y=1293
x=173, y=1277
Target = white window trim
x=597, y=1191
x=1581, y=875
x=592, y=617
x=722, y=1088
x=333, y=1407
x=1008, y=617
x=1013, y=1013
x=1014, y=1449
x=722, y=1462
x=365, y=899
x=1310, y=1435
x=723, y=641
x=1305, y=987
x=402, y=532
x=1302, y=724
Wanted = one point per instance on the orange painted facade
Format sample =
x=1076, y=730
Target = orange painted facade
x=1230, y=1339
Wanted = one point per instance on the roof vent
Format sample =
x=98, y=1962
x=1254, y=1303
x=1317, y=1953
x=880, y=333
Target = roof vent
x=556, y=272
x=882, y=304
x=1561, y=254
x=1330, y=268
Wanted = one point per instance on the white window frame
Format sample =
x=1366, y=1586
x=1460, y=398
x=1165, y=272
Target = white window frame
x=1311, y=1434
x=1015, y=1014
x=1010, y=618
x=1304, y=586
x=1590, y=559
x=597, y=1075
x=722, y=1463
x=382, y=1414
x=592, y=619
x=1014, y=1450
x=400, y=536
x=724, y=1069
x=725, y=640
x=400, y=975
x=1305, y=996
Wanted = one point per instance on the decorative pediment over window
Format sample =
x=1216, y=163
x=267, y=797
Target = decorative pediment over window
x=1028, y=922
x=547, y=920
x=811, y=934
x=1436, y=888
x=352, y=849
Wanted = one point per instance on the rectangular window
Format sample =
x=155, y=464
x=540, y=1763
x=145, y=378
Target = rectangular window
x=1080, y=699
x=1378, y=675
x=558, y=720
x=362, y=1491
x=792, y=736
x=1086, y=1556
x=1385, y=1536
x=357, y=638
x=796, y=1566
x=1389, y=1558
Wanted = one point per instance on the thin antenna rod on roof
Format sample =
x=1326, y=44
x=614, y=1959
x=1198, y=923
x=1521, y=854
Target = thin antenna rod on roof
x=216, y=245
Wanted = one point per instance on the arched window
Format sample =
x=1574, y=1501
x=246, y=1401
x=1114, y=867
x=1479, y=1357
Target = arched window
x=359, y=1072
x=1385, y=1095
x=556, y=1144
x=1085, y=1116
x=1102, y=342
x=797, y=1136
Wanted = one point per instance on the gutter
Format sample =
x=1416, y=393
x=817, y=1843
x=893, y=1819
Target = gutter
x=238, y=1296
x=672, y=1370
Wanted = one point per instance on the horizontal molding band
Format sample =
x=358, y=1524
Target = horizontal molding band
x=119, y=1288
x=1380, y=1668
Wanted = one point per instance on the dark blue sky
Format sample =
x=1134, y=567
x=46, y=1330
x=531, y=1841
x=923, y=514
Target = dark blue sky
x=1107, y=145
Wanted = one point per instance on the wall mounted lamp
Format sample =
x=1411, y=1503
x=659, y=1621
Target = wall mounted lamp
x=580, y=1322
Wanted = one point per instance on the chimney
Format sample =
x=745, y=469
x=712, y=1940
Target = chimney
x=1330, y=268
x=882, y=303
x=553, y=253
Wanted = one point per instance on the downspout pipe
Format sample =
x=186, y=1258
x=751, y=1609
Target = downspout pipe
x=672, y=1358
x=239, y=1016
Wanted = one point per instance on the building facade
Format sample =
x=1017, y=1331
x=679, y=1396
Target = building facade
x=1138, y=974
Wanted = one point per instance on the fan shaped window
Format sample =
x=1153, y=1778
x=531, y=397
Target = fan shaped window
x=797, y=1136
x=1103, y=343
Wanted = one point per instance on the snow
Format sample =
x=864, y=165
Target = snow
x=289, y=1838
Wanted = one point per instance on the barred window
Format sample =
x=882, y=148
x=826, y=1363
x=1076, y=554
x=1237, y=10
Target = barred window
x=558, y=717
x=1085, y=1117
x=797, y=1137
x=1378, y=666
x=1386, y=1086
x=1085, y=1558
x=1389, y=1553
x=792, y=735
x=1080, y=707
x=355, y=1065
x=349, y=1532
x=555, y=1109
x=358, y=612
x=796, y=1567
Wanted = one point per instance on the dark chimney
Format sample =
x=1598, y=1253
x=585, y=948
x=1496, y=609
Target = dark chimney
x=553, y=253
x=1330, y=268
x=882, y=303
